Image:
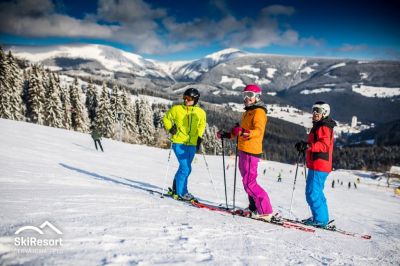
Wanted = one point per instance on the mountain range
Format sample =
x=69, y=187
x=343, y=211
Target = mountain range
x=369, y=90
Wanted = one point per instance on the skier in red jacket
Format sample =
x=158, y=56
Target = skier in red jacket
x=318, y=149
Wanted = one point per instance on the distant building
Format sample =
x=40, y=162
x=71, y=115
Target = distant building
x=394, y=171
x=354, y=121
x=393, y=174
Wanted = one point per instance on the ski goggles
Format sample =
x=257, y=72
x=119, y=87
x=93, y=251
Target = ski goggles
x=188, y=98
x=317, y=110
x=249, y=94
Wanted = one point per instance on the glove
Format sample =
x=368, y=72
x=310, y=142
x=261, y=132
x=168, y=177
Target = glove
x=223, y=135
x=301, y=146
x=173, y=130
x=239, y=131
x=236, y=131
x=199, y=141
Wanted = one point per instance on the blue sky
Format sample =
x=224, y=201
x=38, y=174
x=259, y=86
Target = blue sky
x=185, y=30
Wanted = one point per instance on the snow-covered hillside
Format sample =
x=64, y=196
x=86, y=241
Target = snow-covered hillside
x=300, y=117
x=380, y=92
x=99, y=203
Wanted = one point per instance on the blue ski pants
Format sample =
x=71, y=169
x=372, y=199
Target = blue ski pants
x=315, y=196
x=185, y=155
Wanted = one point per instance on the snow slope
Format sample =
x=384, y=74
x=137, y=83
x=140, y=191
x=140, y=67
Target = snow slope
x=97, y=200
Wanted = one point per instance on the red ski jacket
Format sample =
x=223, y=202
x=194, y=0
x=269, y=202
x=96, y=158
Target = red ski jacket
x=320, y=140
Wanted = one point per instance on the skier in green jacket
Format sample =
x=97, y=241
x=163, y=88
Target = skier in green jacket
x=186, y=123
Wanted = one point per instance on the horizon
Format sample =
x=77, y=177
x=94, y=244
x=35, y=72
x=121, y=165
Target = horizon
x=8, y=46
x=175, y=31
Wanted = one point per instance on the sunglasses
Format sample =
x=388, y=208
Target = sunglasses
x=188, y=98
x=249, y=94
x=317, y=110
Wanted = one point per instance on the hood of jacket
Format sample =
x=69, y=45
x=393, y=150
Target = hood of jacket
x=259, y=104
x=327, y=121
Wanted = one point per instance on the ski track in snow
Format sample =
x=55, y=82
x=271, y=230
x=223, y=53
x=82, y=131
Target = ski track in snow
x=100, y=203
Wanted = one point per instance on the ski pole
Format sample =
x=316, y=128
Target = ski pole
x=294, y=183
x=305, y=166
x=209, y=174
x=234, y=176
x=166, y=173
x=223, y=165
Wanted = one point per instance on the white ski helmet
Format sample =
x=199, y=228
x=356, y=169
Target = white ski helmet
x=322, y=108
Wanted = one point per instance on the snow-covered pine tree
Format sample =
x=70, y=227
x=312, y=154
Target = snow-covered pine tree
x=131, y=130
x=161, y=136
x=53, y=111
x=118, y=112
x=211, y=144
x=4, y=87
x=36, y=95
x=66, y=107
x=104, y=118
x=145, y=121
x=79, y=118
x=15, y=82
x=25, y=88
x=91, y=101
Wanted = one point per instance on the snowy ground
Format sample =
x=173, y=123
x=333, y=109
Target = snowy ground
x=97, y=200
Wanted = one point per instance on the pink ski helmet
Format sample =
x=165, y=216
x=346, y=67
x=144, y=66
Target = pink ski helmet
x=253, y=87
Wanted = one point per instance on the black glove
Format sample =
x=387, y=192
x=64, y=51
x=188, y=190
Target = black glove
x=223, y=135
x=173, y=130
x=199, y=141
x=301, y=146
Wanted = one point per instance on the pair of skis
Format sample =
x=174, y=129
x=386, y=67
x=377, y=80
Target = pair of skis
x=284, y=222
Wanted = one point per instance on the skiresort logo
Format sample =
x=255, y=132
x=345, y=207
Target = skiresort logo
x=24, y=241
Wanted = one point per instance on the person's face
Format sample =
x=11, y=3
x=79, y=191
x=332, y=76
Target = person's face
x=249, y=98
x=316, y=117
x=188, y=100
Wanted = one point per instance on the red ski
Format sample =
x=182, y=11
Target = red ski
x=240, y=213
x=331, y=228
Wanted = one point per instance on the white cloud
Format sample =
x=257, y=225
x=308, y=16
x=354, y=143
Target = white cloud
x=128, y=11
x=149, y=29
x=37, y=18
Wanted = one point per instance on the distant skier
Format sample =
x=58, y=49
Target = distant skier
x=349, y=185
x=265, y=171
x=186, y=123
x=355, y=185
x=96, y=136
x=319, y=149
x=333, y=183
x=250, y=135
x=279, y=177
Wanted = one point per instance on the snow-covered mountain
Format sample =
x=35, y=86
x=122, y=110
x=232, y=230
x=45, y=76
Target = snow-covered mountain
x=99, y=202
x=195, y=69
x=298, y=81
x=92, y=58
x=228, y=69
